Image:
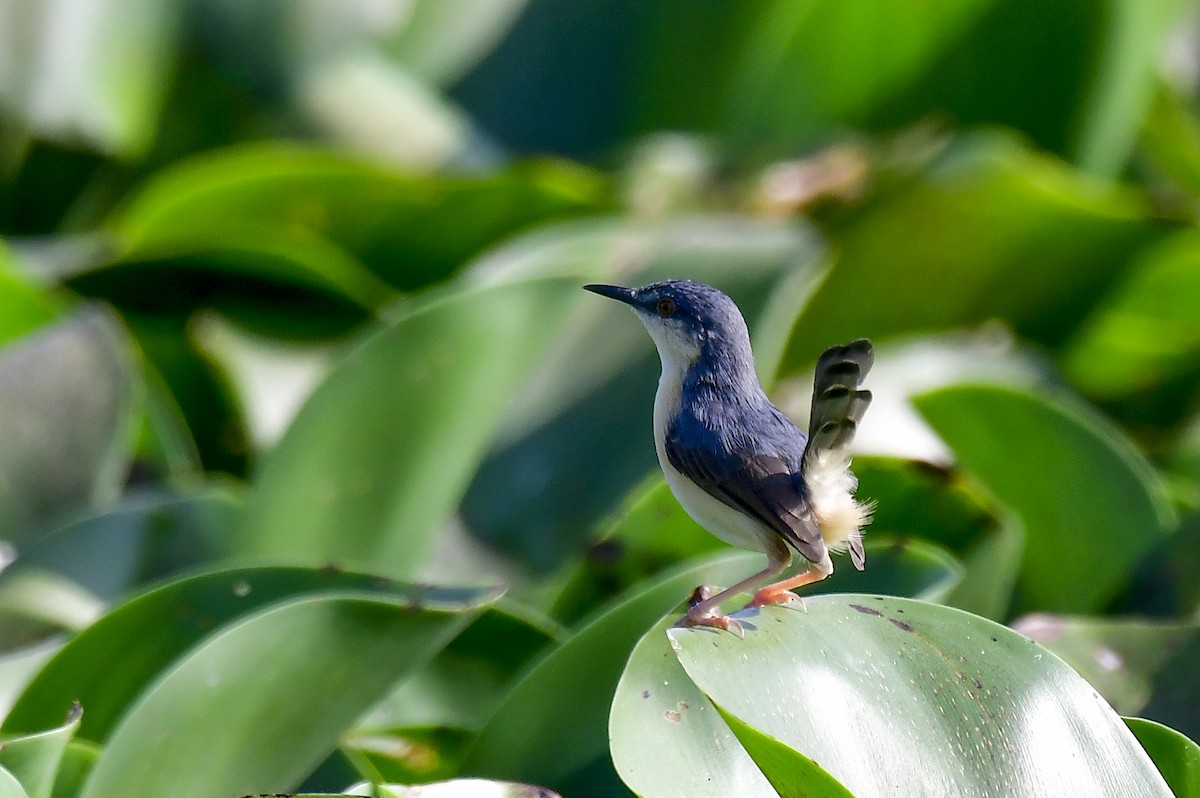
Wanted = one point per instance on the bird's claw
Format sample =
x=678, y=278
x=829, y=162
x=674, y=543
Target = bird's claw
x=784, y=598
x=711, y=621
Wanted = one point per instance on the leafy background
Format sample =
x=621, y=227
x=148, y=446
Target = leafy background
x=295, y=368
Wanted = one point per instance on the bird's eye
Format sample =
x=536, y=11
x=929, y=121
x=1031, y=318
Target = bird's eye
x=665, y=307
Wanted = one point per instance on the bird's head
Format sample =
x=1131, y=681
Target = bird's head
x=688, y=321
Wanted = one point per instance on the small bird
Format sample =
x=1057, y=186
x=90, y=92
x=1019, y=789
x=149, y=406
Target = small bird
x=733, y=460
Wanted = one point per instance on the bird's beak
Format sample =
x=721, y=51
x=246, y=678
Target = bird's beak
x=616, y=292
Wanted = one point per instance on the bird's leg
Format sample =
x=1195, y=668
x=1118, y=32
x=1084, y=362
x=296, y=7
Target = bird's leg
x=781, y=592
x=707, y=611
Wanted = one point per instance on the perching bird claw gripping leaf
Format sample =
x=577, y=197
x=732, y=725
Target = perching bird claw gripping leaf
x=887, y=696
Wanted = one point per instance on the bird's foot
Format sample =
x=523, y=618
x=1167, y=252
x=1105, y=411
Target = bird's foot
x=710, y=620
x=775, y=595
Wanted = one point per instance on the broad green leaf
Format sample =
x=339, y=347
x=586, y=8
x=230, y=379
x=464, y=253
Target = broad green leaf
x=533, y=495
x=858, y=683
x=99, y=83
x=1120, y=657
x=1176, y=757
x=410, y=231
x=380, y=454
x=1080, y=489
x=35, y=759
x=1148, y=331
x=551, y=728
x=108, y=665
x=143, y=537
x=422, y=729
x=952, y=245
x=282, y=685
x=665, y=736
x=68, y=402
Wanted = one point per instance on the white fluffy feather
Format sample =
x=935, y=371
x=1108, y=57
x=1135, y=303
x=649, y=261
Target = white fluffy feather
x=831, y=487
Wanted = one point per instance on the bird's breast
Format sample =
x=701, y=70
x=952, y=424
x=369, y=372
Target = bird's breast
x=727, y=523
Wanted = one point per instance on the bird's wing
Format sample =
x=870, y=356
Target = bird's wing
x=760, y=485
x=838, y=403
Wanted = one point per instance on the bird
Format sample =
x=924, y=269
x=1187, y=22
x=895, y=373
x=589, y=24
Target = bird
x=734, y=461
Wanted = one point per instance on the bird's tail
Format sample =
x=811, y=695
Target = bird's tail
x=838, y=406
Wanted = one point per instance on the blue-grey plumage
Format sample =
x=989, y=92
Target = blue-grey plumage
x=735, y=462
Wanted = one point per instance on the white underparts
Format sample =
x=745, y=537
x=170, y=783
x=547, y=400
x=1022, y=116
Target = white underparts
x=831, y=487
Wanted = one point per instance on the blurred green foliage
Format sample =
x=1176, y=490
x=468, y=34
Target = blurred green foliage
x=289, y=311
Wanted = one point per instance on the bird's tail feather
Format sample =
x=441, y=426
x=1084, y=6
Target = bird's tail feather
x=838, y=403
x=838, y=406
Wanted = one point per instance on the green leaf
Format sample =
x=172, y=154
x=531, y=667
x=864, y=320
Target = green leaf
x=143, y=537
x=35, y=759
x=380, y=454
x=551, y=727
x=810, y=66
x=1145, y=334
x=10, y=787
x=108, y=665
x=859, y=682
x=78, y=760
x=920, y=499
x=410, y=231
x=993, y=565
x=952, y=246
x=1176, y=757
x=665, y=735
x=1120, y=657
x=286, y=283
x=281, y=685
x=789, y=771
x=1079, y=487
x=1123, y=82
x=69, y=396
x=1171, y=139
x=421, y=731
x=23, y=306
